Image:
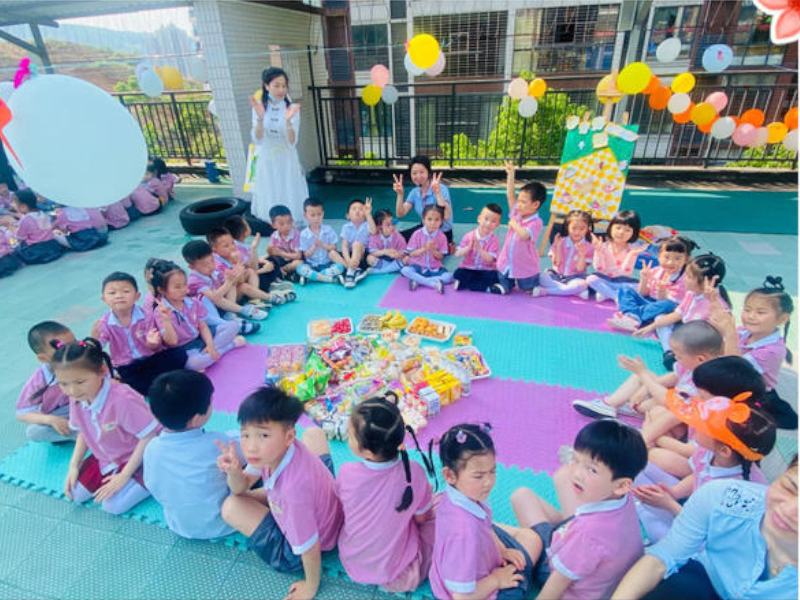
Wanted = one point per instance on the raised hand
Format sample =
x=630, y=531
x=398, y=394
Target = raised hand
x=646, y=272
x=257, y=106
x=256, y=241
x=292, y=111
x=634, y=365
x=163, y=310
x=228, y=460
x=398, y=184
x=153, y=337
x=510, y=167
x=596, y=242
x=436, y=184
x=368, y=205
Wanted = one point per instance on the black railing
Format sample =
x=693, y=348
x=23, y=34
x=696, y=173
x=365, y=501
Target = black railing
x=176, y=125
x=459, y=126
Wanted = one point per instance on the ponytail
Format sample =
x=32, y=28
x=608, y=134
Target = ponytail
x=87, y=353
x=408, y=493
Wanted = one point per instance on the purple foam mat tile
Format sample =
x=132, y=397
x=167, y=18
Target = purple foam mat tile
x=237, y=374
x=517, y=307
x=529, y=421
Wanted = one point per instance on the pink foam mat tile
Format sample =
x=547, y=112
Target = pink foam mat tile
x=552, y=311
x=237, y=374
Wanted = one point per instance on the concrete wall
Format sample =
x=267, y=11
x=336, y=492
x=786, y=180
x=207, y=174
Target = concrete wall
x=235, y=38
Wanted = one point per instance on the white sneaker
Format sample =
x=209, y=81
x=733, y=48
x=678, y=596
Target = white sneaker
x=623, y=323
x=628, y=411
x=584, y=295
x=599, y=298
x=596, y=409
x=538, y=291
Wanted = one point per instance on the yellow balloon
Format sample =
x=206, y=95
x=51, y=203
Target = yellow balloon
x=423, y=50
x=634, y=78
x=371, y=95
x=683, y=83
x=777, y=131
x=172, y=78
x=603, y=86
x=703, y=113
x=537, y=88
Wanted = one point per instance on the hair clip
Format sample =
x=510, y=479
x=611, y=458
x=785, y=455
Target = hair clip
x=461, y=436
x=774, y=283
x=486, y=428
x=81, y=343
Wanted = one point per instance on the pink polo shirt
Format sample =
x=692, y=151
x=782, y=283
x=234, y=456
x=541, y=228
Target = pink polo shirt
x=45, y=403
x=393, y=242
x=73, y=219
x=518, y=258
x=611, y=264
x=126, y=344
x=418, y=240
x=302, y=498
x=675, y=286
x=766, y=355
x=597, y=547
x=35, y=228
x=568, y=251
x=169, y=180
x=377, y=543
x=685, y=383
x=185, y=320
x=148, y=302
x=694, y=307
x=222, y=264
x=704, y=471
x=116, y=215
x=5, y=242
x=198, y=283
x=473, y=260
x=112, y=424
x=98, y=220
x=244, y=251
x=157, y=186
x=5, y=201
x=290, y=244
x=144, y=200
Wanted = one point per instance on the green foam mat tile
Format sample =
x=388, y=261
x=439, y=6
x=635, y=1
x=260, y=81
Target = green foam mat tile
x=201, y=576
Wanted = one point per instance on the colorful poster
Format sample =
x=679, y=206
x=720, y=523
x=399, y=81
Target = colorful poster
x=250, y=174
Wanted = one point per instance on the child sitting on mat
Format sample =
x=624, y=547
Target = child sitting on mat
x=270, y=278
x=180, y=465
x=78, y=231
x=478, y=251
x=518, y=263
x=283, y=249
x=113, y=423
x=37, y=243
x=570, y=257
x=116, y=215
x=584, y=550
x=426, y=249
x=42, y=404
x=318, y=241
x=615, y=259
x=387, y=248
x=355, y=239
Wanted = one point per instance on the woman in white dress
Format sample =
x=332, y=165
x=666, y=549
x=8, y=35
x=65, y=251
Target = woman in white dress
x=276, y=124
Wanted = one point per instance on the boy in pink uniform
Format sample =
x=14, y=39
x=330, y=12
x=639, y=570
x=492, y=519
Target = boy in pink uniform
x=144, y=200
x=426, y=249
x=134, y=343
x=471, y=556
x=77, y=230
x=386, y=247
x=387, y=536
x=270, y=277
x=37, y=244
x=116, y=215
x=42, y=404
x=113, y=422
x=478, y=251
x=296, y=515
x=283, y=248
x=518, y=263
x=585, y=549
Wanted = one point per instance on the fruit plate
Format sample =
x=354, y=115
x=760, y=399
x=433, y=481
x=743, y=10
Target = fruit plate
x=429, y=329
x=324, y=328
x=471, y=359
x=370, y=324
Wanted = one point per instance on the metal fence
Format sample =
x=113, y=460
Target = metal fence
x=474, y=123
x=178, y=127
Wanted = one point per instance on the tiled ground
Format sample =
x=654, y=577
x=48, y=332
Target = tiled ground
x=50, y=548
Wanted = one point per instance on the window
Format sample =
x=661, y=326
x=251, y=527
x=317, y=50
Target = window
x=671, y=21
x=397, y=9
x=370, y=46
x=751, y=42
x=565, y=38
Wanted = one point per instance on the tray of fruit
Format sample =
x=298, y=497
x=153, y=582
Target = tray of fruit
x=392, y=319
x=437, y=331
x=324, y=328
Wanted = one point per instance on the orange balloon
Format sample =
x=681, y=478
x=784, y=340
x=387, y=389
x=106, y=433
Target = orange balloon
x=790, y=119
x=685, y=116
x=658, y=100
x=706, y=127
x=753, y=116
x=654, y=84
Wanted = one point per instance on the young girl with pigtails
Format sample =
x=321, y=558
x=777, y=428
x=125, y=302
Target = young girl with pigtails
x=113, y=423
x=387, y=537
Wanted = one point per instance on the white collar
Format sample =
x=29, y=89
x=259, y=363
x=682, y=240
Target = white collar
x=179, y=436
x=380, y=466
x=224, y=261
x=136, y=316
x=716, y=472
x=602, y=506
x=460, y=500
x=430, y=236
x=287, y=458
x=49, y=378
x=291, y=235
x=765, y=341
x=206, y=278
x=100, y=400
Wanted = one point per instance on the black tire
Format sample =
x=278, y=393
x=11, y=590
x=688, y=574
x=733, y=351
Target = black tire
x=257, y=225
x=201, y=217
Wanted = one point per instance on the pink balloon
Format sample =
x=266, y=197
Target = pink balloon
x=744, y=135
x=437, y=67
x=719, y=100
x=379, y=75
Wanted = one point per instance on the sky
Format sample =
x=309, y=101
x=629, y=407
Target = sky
x=144, y=21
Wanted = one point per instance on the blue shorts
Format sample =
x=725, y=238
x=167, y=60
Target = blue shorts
x=271, y=545
x=521, y=591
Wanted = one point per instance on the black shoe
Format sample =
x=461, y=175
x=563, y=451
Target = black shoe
x=669, y=360
x=248, y=328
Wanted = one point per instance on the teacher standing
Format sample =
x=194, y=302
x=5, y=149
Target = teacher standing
x=279, y=178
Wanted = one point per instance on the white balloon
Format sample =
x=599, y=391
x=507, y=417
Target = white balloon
x=212, y=108
x=679, y=103
x=437, y=67
x=6, y=89
x=389, y=94
x=141, y=68
x=668, y=50
x=790, y=141
x=67, y=132
x=150, y=83
x=528, y=106
x=411, y=67
x=518, y=88
x=198, y=69
x=762, y=134
x=723, y=128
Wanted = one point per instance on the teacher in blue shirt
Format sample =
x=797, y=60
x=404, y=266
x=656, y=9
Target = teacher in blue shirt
x=428, y=189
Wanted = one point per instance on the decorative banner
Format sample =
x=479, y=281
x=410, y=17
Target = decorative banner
x=668, y=50
x=528, y=107
x=518, y=88
x=54, y=113
x=390, y=94
x=371, y=95
x=634, y=78
x=717, y=58
x=424, y=50
x=379, y=75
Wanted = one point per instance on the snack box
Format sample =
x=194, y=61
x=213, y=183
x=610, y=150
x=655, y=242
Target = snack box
x=369, y=324
x=471, y=359
x=429, y=329
x=323, y=328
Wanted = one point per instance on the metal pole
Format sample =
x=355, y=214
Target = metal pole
x=452, y=121
x=313, y=88
x=179, y=123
